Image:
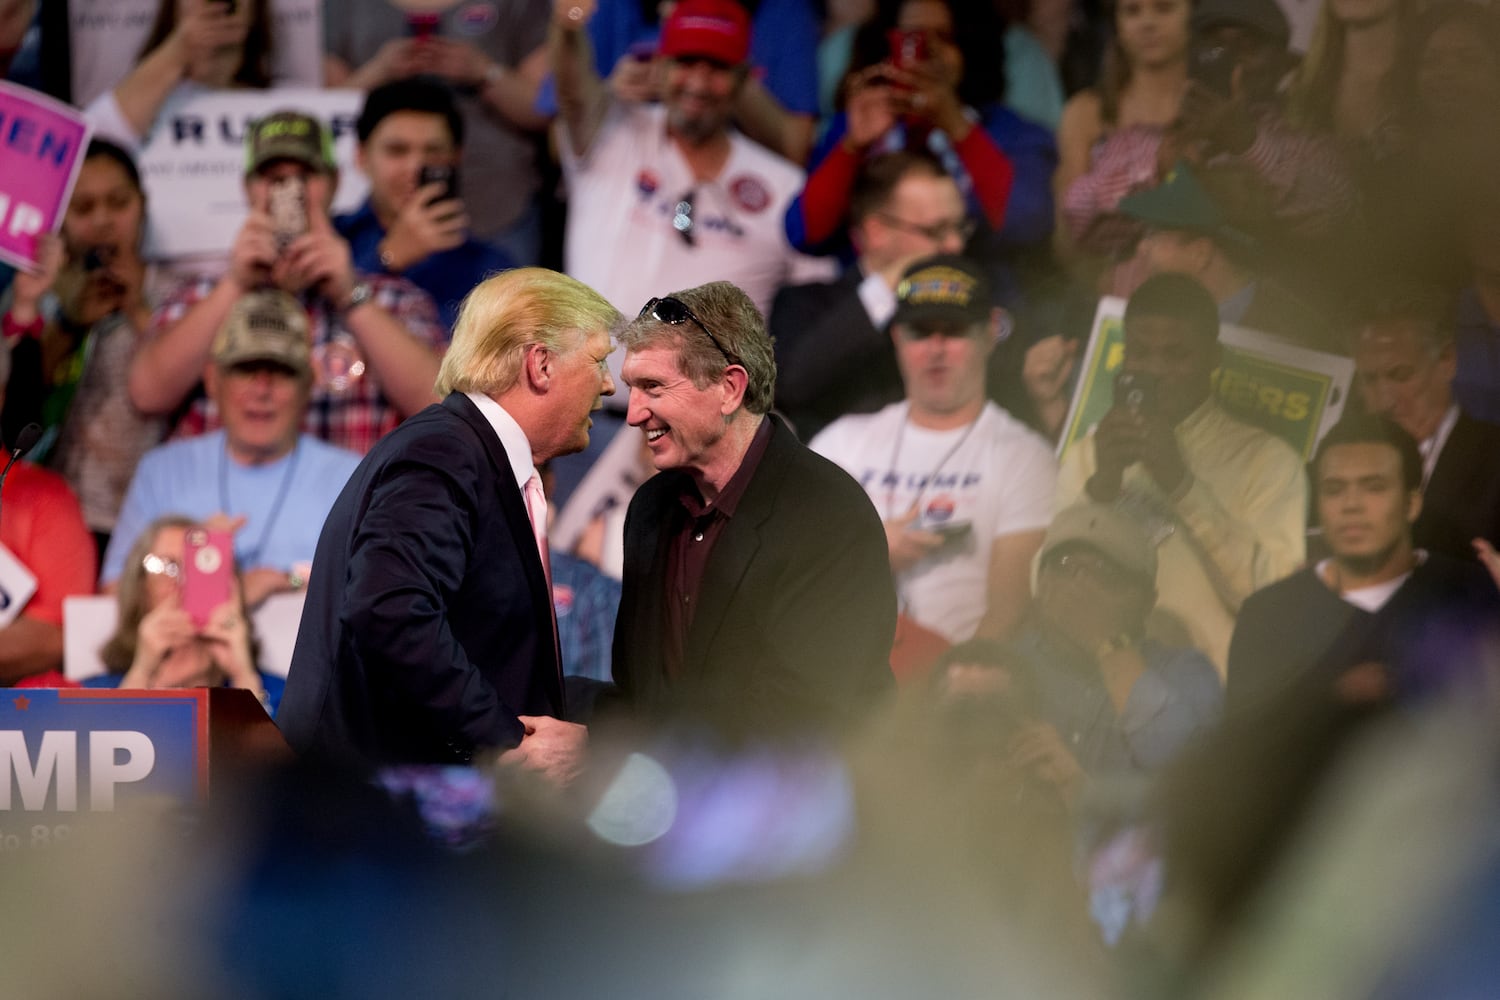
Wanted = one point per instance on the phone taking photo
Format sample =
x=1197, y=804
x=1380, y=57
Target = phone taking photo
x=439, y=173
x=207, y=569
x=1136, y=392
x=908, y=48
x=287, y=208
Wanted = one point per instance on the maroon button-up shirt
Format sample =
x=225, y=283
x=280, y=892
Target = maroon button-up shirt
x=689, y=549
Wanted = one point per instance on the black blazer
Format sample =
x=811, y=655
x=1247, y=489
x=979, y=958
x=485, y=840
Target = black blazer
x=428, y=624
x=830, y=359
x=1462, y=500
x=797, y=609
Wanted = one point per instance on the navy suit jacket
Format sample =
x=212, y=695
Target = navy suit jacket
x=1462, y=500
x=796, y=611
x=428, y=625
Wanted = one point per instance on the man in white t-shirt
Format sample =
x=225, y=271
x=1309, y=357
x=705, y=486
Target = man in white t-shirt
x=964, y=489
x=667, y=195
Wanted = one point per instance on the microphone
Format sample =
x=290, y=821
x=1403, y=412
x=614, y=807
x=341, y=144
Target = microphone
x=25, y=441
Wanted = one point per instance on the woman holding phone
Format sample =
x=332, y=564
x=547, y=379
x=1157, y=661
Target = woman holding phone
x=167, y=634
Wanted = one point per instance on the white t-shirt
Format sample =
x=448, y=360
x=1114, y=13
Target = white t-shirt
x=622, y=197
x=996, y=474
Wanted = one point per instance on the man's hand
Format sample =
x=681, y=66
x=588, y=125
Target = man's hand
x=1039, y=750
x=1489, y=557
x=1161, y=456
x=425, y=226
x=908, y=544
x=253, y=253
x=460, y=63
x=1117, y=446
x=552, y=748
x=870, y=109
x=633, y=80
x=320, y=259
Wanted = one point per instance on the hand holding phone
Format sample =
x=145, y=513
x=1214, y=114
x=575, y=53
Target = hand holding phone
x=439, y=173
x=208, y=569
x=287, y=207
x=1135, y=393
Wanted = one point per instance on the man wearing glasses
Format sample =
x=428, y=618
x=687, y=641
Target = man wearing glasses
x=831, y=347
x=757, y=596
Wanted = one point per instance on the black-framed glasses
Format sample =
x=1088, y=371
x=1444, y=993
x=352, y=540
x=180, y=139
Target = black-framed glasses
x=682, y=219
x=674, y=312
x=963, y=228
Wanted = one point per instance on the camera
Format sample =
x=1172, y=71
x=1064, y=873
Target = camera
x=1136, y=392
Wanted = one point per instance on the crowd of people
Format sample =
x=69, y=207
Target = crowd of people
x=875, y=357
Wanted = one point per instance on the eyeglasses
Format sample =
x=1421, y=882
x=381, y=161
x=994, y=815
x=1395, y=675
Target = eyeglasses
x=964, y=228
x=682, y=219
x=674, y=312
x=1097, y=567
x=157, y=565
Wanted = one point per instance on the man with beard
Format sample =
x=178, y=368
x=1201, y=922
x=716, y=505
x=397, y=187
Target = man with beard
x=1378, y=618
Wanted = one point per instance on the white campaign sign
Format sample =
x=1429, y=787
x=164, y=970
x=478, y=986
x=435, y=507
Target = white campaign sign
x=107, y=35
x=193, y=164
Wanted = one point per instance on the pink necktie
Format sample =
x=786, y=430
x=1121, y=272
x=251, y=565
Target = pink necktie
x=536, y=509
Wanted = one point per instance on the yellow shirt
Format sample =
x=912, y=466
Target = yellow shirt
x=1240, y=525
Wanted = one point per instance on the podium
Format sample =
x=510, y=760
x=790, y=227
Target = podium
x=70, y=751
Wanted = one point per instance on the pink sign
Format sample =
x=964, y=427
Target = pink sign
x=42, y=142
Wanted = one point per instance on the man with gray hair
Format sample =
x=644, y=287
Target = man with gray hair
x=429, y=633
x=757, y=595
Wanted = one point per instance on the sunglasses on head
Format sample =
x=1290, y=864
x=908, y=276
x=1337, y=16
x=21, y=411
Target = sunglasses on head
x=674, y=312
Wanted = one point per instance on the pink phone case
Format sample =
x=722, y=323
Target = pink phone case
x=208, y=563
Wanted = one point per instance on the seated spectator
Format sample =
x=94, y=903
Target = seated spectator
x=778, y=104
x=1109, y=135
x=43, y=529
x=260, y=469
x=951, y=105
x=1405, y=363
x=376, y=341
x=1190, y=231
x=157, y=645
x=495, y=57
x=670, y=195
x=193, y=45
x=1379, y=618
x=832, y=353
x=418, y=231
x=1343, y=86
x=963, y=488
x=1110, y=699
x=1226, y=502
x=1476, y=383
x=73, y=329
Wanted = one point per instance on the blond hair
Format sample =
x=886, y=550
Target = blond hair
x=510, y=311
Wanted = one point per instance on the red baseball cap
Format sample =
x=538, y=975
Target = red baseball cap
x=710, y=29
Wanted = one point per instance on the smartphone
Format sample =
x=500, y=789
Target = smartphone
x=908, y=48
x=422, y=24
x=288, y=210
x=951, y=531
x=207, y=569
x=1136, y=392
x=1212, y=68
x=444, y=174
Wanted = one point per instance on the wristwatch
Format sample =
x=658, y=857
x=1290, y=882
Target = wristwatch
x=361, y=293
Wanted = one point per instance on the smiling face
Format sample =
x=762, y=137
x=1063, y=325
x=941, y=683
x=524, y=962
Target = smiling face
x=397, y=150
x=261, y=404
x=699, y=96
x=579, y=380
x=685, y=426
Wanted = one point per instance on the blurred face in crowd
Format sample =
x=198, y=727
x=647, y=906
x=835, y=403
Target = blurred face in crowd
x=942, y=365
x=699, y=95
x=1179, y=360
x=397, y=150
x=1402, y=378
x=262, y=404
x=320, y=185
x=580, y=377
x=1174, y=251
x=15, y=19
x=107, y=210
x=935, y=21
x=925, y=216
x=1082, y=593
x=1457, y=74
x=685, y=426
x=1153, y=32
x=1365, y=509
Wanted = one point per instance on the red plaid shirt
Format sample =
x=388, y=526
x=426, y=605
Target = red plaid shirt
x=354, y=419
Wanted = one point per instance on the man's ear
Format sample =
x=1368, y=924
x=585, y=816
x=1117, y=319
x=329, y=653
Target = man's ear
x=1413, y=506
x=733, y=386
x=538, y=367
